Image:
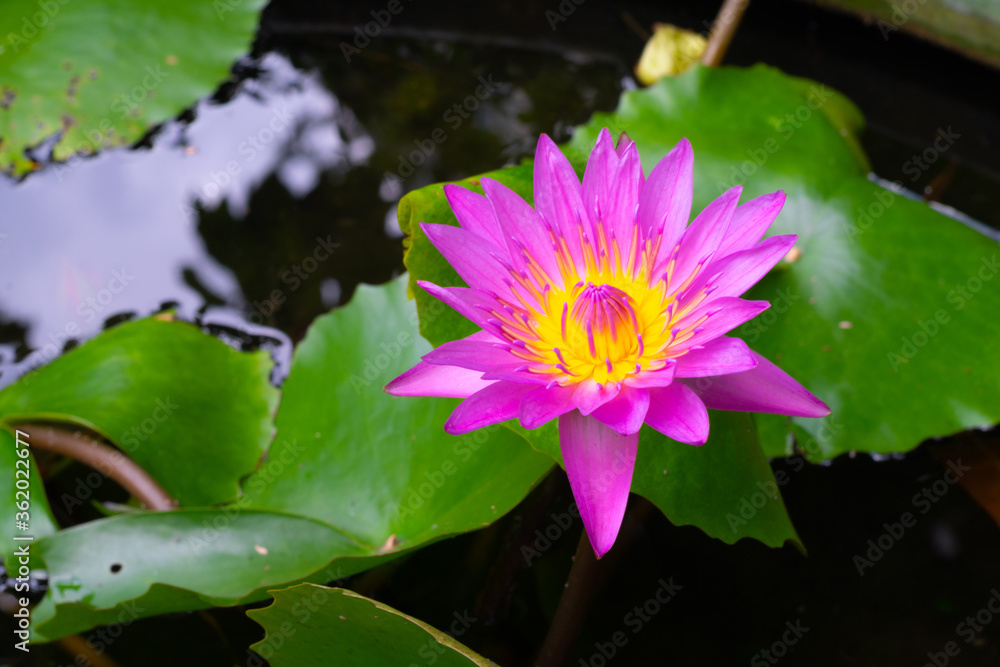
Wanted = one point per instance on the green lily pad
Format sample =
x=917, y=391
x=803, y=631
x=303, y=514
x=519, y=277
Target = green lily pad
x=152, y=563
x=380, y=467
x=102, y=74
x=193, y=412
x=356, y=477
x=39, y=520
x=862, y=286
x=314, y=625
x=885, y=313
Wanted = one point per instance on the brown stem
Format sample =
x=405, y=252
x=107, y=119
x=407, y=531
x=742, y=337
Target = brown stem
x=573, y=606
x=78, y=647
x=723, y=29
x=107, y=460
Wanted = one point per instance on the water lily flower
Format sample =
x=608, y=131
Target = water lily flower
x=602, y=307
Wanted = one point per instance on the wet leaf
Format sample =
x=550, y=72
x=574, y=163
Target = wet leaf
x=884, y=311
x=859, y=285
x=309, y=624
x=39, y=520
x=377, y=465
x=355, y=477
x=193, y=412
x=102, y=74
x=123, y=568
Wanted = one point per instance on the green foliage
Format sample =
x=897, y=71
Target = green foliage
x=354, y=477
x=843, y=311
x=314, y=625
x=102, y=74
x=40, y=520
x=884, y=312
x=193, y=412
x=375, y=465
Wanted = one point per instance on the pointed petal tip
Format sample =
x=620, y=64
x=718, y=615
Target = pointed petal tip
x=822, y=410
x=544, y=143
x=601, y=545
x=684, y=145
x=599, y=464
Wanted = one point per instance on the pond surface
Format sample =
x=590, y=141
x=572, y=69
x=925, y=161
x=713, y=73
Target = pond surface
x=268, y=204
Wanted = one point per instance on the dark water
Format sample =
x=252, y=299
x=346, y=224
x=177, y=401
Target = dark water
x=268, y=204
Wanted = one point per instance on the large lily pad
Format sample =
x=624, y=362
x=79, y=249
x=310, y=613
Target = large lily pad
x=355, y=477
x=886, y=311
x=193, y=412
x=378, y=466
x=102, y=74
x=315, y=625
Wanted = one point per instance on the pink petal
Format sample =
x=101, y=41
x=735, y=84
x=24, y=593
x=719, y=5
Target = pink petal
x=620, y=210
x=425, y=379
x=599, y=176
x=524, y=230
x=479, y=352
x=625, y=412
x=702, y=238
x=481, y=264
x=474, y=213
x=518, y=373
x=544, y=404
x=650, y=379
x=625, y=143
x=766, y=388
x=750, y=222
x=599, y=463
x=741, y=270
x=721, y=356
x=677, y=413
x=725, y=314
x=473, y=304
x=590, y=395
x=492, y=405
x=665, y=200
x=558, y=195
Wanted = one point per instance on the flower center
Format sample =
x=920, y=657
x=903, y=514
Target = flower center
x=604, y=321
x=605, y=317
x=599, y=334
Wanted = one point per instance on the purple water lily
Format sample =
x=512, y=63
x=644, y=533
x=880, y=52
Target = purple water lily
x=604, y=308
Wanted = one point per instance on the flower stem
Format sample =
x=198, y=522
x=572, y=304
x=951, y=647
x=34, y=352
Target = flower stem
x=111, y=462
x=723, y=29
x=573, y=606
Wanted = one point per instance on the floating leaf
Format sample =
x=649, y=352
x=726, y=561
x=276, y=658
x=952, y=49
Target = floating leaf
x=309, y=625
x=853, y=291
x=101, y=74
x=355, y=477
x=884, y=310
x=193, y=412
x=378, y=466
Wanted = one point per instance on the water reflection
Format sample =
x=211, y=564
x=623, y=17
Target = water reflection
x=118, y=233
x=271, y=206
